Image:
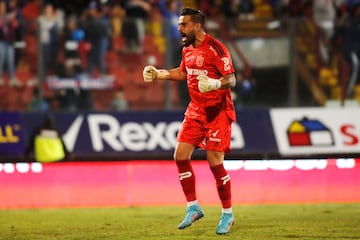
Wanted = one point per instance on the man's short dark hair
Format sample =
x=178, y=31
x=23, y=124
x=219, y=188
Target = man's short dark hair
x=196, y=15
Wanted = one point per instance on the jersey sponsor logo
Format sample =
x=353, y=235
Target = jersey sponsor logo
x=196, y=72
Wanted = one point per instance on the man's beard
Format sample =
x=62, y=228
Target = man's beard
x=189, y=40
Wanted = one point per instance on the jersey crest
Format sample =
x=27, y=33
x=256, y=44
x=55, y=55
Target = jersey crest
x=199, y=61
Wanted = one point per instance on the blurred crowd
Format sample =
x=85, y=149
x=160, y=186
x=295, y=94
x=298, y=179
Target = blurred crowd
x=76, y=35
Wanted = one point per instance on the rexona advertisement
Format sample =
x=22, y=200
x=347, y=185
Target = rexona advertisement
x=147, y=134
x=257, y=133
x=307, y=131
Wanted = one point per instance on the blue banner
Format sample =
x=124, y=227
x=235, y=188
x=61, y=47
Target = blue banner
x=139, y=135
x=257, y=130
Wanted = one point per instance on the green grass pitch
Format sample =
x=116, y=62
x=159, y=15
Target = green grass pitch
x=255, y=222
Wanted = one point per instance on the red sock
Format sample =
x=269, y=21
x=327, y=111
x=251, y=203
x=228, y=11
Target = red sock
x=187, y=179
x=223, y=184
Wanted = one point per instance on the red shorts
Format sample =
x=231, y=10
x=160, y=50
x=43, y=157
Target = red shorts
x=213, y=136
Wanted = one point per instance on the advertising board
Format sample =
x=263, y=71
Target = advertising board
x=313, y=131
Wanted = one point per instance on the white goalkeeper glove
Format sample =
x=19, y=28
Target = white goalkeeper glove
x=207, y=84
x=151, y=73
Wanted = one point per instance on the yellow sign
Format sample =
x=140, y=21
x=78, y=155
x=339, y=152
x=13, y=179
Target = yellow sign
x=7, y=134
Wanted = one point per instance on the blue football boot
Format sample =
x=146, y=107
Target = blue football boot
x=225, y=224
x=193, y=214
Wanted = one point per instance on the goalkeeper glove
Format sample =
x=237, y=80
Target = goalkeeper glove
x=207, y=84
x=151, y=73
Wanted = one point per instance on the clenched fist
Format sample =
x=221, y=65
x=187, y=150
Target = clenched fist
x=207, y=84
x=149, y=73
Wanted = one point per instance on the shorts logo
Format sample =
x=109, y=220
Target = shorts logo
x=215, y=133
x=213, y=136
x=199, y=61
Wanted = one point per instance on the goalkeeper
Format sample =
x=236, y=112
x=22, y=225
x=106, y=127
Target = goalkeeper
x=207, y=67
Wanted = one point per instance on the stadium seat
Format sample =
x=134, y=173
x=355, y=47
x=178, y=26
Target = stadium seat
x=134, y=95
x=154, y=94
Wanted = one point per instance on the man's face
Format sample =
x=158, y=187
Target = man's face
x=186, y=30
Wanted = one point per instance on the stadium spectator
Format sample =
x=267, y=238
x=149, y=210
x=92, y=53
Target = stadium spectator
x=212, y=9
x=351, y=49
x=68, y=98
x=246, y=9
x=324, y=14
x=51, y=25
x=38, y=102
x=15, y=7
x=73, y=35
x=234, y=10
x=8, y=28
x=119, y=102
x=31, y=10
x=279, y=7
x=137, y=12
x=116, y=22
x=300, y=8
x=97, y=32
x=72, y=99
x=207, y=67
x=170, y=10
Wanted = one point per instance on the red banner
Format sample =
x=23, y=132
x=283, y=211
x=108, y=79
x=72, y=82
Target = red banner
x=135, y=183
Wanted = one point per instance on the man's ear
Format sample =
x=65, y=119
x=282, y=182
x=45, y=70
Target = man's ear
x=197, y=26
